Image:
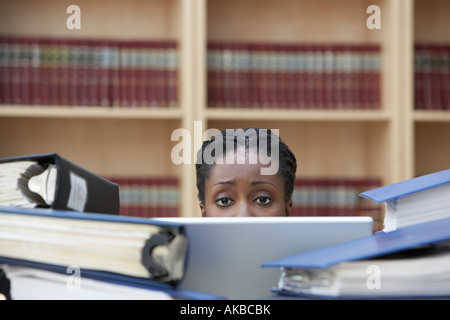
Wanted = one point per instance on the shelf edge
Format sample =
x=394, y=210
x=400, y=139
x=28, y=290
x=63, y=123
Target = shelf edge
x=89, y=112
x=297, y=115
x=432, y=116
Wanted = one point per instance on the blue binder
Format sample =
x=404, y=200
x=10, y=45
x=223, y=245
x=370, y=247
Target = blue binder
x=379, y=244
x=114, y=278
x=170, y=287
x=407, y=187
x=163, y=236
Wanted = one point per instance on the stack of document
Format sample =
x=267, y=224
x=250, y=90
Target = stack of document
x=410, y=262
x=414, y=201
x=130, y=246
x=72, y=286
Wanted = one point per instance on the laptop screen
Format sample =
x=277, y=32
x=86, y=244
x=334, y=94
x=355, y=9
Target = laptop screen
x=226, y=254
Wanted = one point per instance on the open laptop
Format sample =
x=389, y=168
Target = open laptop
x=226, y=254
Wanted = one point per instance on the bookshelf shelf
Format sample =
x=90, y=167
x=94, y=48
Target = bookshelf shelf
x=296, y=115
x=432, y=116
x=89, y=112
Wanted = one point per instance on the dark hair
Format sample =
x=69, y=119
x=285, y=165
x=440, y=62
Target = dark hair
x=286, y=168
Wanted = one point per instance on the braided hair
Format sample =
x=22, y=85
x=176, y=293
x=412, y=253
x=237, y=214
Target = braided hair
x=286, y=169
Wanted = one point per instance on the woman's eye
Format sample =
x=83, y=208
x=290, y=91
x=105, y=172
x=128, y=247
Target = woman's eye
x=263, y=200
x=223, y=202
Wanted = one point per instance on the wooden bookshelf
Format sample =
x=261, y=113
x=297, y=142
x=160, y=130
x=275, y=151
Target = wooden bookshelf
x=429, y=130
x=327, y=142
x=392, y=143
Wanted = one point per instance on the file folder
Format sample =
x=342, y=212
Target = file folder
x=74, y=188
x=104, y=245
x=414, y=201
x=407, y=187
x=376, y=245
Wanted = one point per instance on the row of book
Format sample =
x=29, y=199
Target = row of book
x=88, y=72
x=301, y=76
x=432, y=77
x=335, y=197
x=148, y=196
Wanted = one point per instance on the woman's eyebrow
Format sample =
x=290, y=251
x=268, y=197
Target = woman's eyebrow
x=261, y=182
x=225, y=182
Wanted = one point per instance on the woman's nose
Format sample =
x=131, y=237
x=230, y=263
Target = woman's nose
x=244, y=210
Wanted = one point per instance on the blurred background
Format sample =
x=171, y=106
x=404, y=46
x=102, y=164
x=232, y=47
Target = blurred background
x=360, y=107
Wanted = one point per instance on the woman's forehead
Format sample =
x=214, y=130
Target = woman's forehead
x=238, y=171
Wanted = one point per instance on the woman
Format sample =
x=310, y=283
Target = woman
x=230, y=187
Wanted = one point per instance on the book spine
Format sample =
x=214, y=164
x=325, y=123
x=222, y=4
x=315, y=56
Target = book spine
x=244, y=75
x=300, y=76
x=418, y=98
x=328, y=67
x=104, y=65
x=114, y=72
x=318, y=72
x=35, y=65
x=272, y=72
x=212, y=67
x=238, y=76
x=63, y=86
x=173, y=197
x=355, y=76
x=93, y=72
x=83, y=73
x=24, y=70
x=426, y=77
x=226, y=56
x=125, y=58
x=44, y=74
x=445, y=77
x=14, y=65
x=160, y=74
x=172, y=74
x=364, y=84
x=435, y=85
x=54, y=94
x=283, y=76
x=152, y=75
x=289, y=76
x=135, y=67
x=4, y=70
x=138, y=84
x=254, y=63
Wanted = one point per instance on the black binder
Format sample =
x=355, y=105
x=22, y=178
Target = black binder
x=76, y=188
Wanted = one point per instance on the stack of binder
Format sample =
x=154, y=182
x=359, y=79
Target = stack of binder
x=61, y=237
x=79, y=255
x=410, y=258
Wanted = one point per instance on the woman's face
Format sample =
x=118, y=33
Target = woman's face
x=239, y=190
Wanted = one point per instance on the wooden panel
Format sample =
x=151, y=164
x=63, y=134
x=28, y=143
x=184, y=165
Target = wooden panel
x=291, y=20
x=432, y=21
x=113, y=18
x=432, y=147
x=119, y=147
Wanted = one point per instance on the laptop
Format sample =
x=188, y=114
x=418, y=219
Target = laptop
x=226, y=254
